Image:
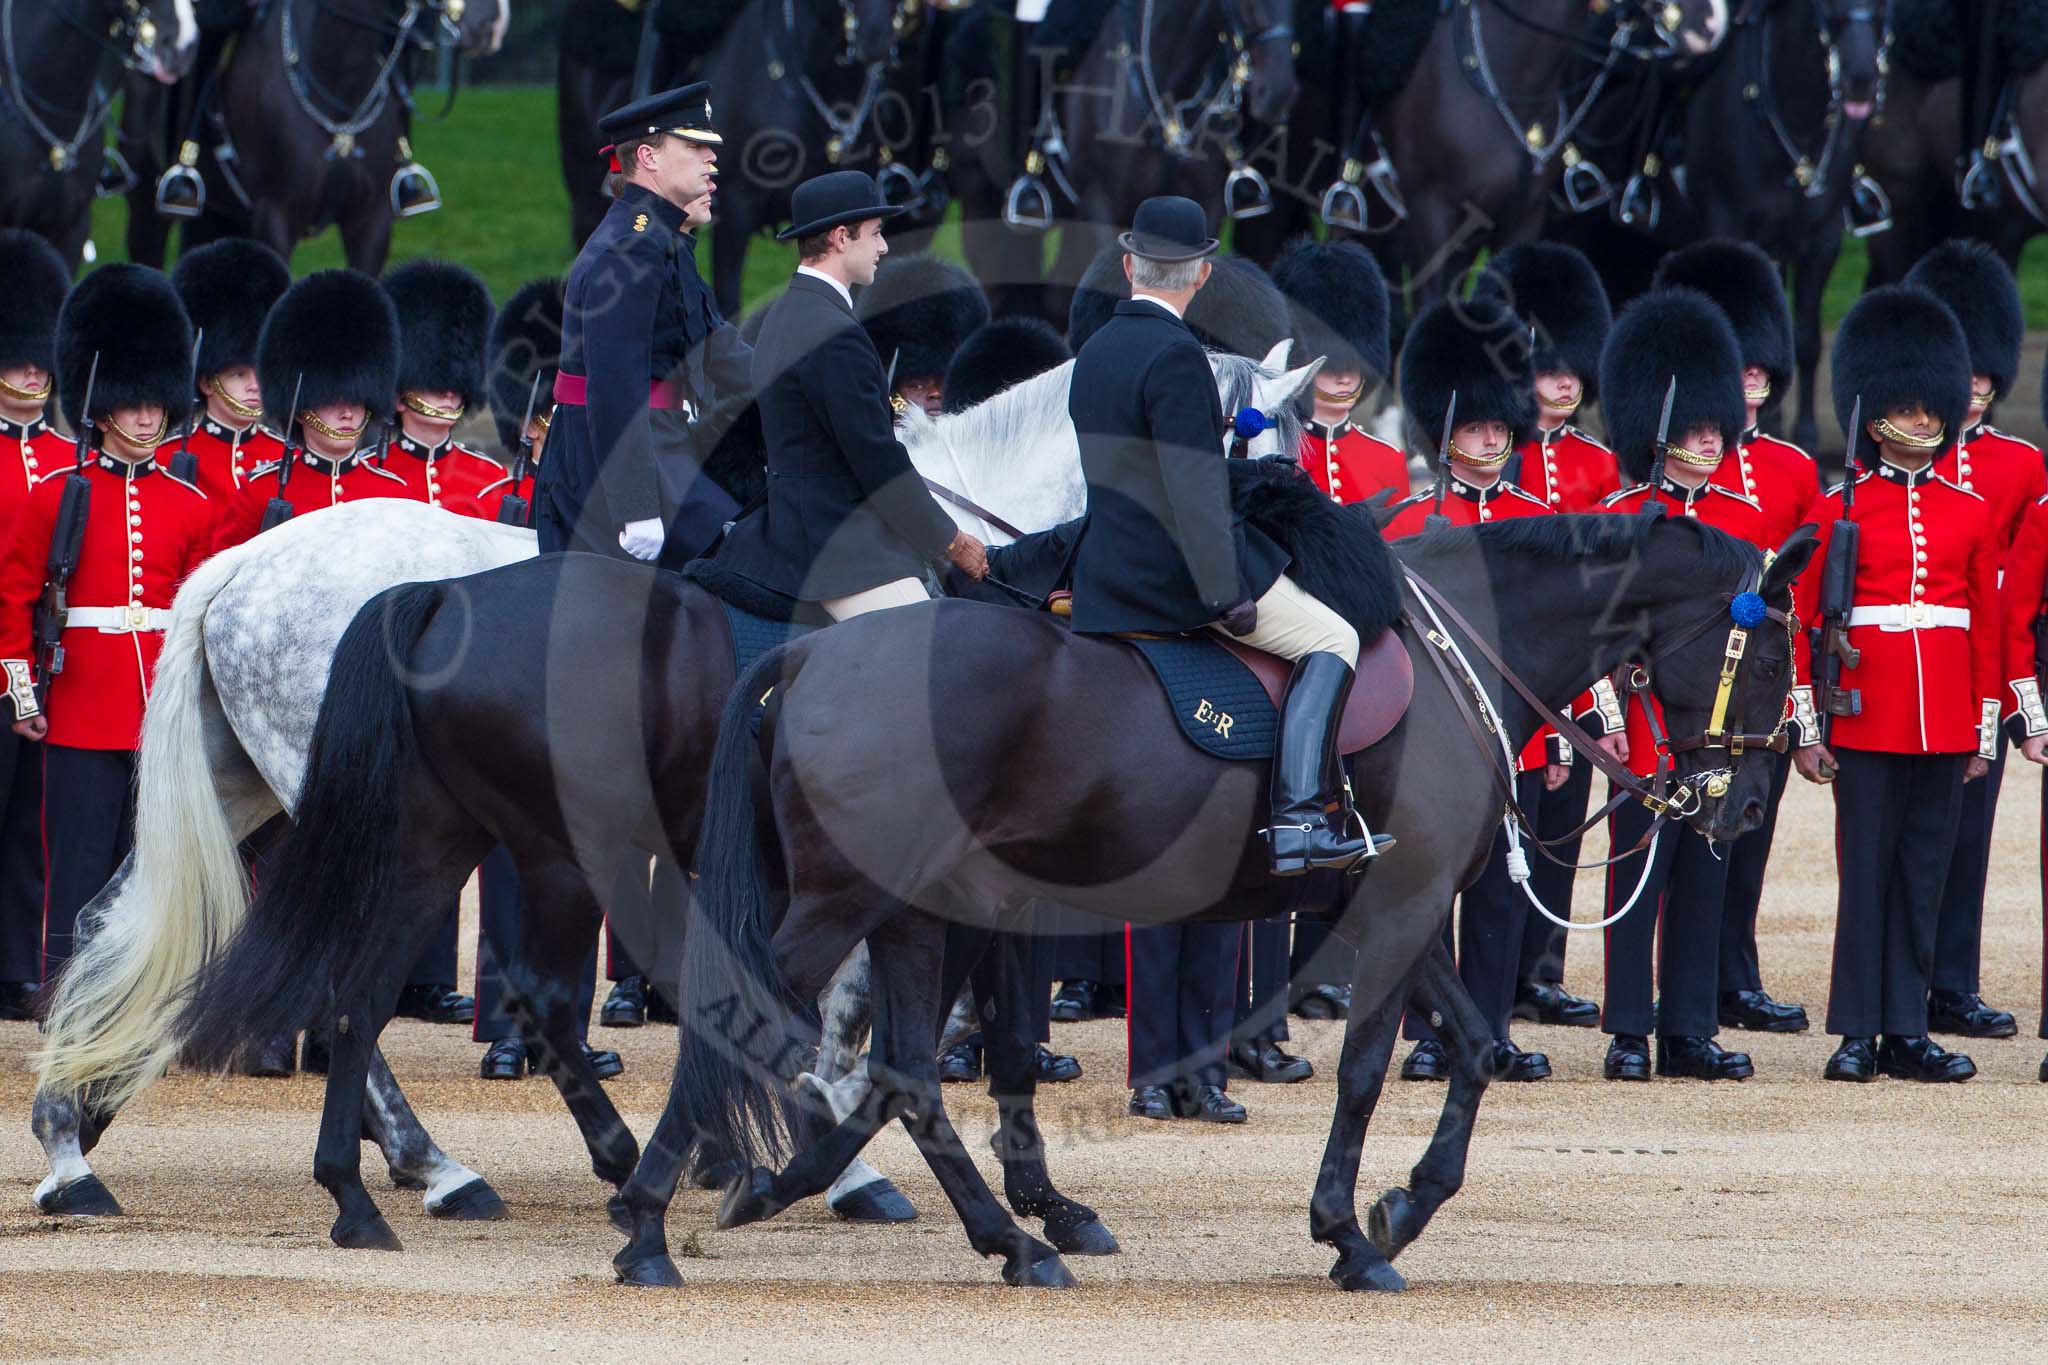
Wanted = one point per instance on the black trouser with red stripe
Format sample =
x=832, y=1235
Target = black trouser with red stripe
x=1492, y=920
x=1262, y=968
x=1895, y=829
x=1556, y=814
x=1748, y=858
x=21, y=858
x=88, y=828
x=1679, y=913
x=1959, y=929
x=1183, y=978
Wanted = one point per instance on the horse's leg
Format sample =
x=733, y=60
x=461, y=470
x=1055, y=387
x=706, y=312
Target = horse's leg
x=1809, y=281
x=452, y=1189
x=1401, y=1214
x=860, y=1194
x=337, y=1161
x=366, y=236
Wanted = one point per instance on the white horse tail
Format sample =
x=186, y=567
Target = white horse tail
x=186, y=891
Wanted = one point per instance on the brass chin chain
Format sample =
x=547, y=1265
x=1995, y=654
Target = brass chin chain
x=1480, y=461
x=1674, y=451
x=311, y=419
x=1758, y=396
x=1566, y=408
x=234, y=404
x=1346, y=398
x=1887, y=432
x=426, y=409
x=163, y=430
x=21, y=395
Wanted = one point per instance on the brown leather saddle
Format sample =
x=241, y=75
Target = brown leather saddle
x=1380, y=697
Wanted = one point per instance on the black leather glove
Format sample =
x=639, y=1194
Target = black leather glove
x=1241, y=618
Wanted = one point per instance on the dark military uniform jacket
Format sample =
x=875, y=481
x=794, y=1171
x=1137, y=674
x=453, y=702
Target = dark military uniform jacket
x=1163, y=549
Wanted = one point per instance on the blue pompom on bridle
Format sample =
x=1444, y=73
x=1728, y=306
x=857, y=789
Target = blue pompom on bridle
x=1748, y=610
x=1248, y=423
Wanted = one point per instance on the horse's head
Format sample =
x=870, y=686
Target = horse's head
x=1691, y=27
x=1852, y=31
x=1263, y=30
x=156, y=37
x=869, y=30
x=1273, y=389
x=475, y=26
x=1718, y=656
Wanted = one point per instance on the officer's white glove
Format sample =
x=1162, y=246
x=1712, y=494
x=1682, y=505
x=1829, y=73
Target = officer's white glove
x=642, y=539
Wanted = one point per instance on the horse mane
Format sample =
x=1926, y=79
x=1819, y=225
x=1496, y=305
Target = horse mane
x=1589, y=538
x=1009, y=423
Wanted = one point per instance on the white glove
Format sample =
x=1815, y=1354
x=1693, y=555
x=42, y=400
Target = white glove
x=642, y=539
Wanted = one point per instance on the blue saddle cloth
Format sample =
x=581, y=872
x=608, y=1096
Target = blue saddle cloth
x=1221, y=707
x=753, y=636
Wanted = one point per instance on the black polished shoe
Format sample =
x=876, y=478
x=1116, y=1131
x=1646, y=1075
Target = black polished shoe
x=504, y=1060
x=1075, y=1002
x=1428, y=1062
x=1056, y=1067
x=16, y=998
x=1510, y=1063
x=626, y=1006
x=1965, y=1013
x=1921, y=1059
x=2044, y=1071
x=1322, y=1002
x=1854, y=1060
x=1628, y=1058
x=440, y=1004
x=1112, y=1002
x=1267, y=1062
x=604, y=1061
x=1539, y=1002
x=1702, y=1059
x=960, y=1062
x=1151, y=1102
x=1757, y=1012
x=272, y=1058
x=1208, y=1104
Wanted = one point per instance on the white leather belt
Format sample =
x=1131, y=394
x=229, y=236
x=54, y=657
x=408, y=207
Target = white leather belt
x=117, y=620
x=1910, y=616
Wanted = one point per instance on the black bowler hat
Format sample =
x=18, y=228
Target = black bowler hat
x=1168, y=227
x=825, y=201
x=684, y=112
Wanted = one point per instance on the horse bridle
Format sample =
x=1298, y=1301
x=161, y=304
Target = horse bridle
x=343, y=133
x=132, y=40
x=1811, y=175
x=842, y=133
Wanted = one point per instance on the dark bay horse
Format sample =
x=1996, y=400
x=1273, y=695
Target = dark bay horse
x=902, y=780
x=60, y=62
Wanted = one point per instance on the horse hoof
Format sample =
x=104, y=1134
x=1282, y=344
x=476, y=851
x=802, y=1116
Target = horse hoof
x=1088, y=1239
x=1045, y=1272
x=878, y=1201
x=372, y=1234
x=621, y=1216
x=649, y=1272
x=1393, y=1223
x=1373, y=1275
x=475, y=1202
x=750, y=1200
x=86, y=1198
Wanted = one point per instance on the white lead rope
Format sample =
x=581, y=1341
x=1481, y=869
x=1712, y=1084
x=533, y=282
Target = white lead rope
x=1518, y=861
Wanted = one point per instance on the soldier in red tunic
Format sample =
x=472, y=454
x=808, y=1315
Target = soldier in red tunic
x=332, y=340
x=526, y=340
x=37, y=280
x=144, y=531
x=1979, y=289
x=1338, y=299
x=1925, y=622
x=229, y=288
x=1670, y=333
x=444, y=322
x=1456, y=348
x=1785, y=481
x=2023, y=600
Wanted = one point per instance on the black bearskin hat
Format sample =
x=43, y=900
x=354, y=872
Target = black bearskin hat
x=129, y=316
x=1477, y=349
x=229, y=287
x=1338, y=296
x=1002, y=352
x=1746, y=286
x=444, y=323
x=1979, y=289
x=1554, y=289
x=526, y=341
x=337, y=330
x=1238, y=310
x=1667, y=334
x=918, y=311
x=1898, y=346
x=37, y=281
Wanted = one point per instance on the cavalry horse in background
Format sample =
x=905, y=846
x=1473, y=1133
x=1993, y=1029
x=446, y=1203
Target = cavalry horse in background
x=58, y=60
x=303, y=122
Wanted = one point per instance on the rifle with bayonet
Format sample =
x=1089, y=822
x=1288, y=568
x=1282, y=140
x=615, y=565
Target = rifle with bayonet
x=1436, y=520
x=1651, y=507
x=514, y=510
x=278, y=510
x=184, y=464
x=67, y=540
x=1832, y=651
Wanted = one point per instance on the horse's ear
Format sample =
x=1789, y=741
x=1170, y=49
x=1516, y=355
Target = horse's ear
x=1276, y=359
x=1275, y=394
x=1791, y=559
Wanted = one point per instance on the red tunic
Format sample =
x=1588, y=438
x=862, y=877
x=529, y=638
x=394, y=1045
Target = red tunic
x=1779, y=477
x=144, y=531
x=29, y=453
x=1568, y=470
x=448, y=475
x=1721, y=508
x=2021, y=594
x=2005, y=469
x=1924, y=543
x=1350, y=465
x=226, y=456
x=315, y=484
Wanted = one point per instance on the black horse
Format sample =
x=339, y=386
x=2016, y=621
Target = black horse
x=852, y=816
x=59, y=66
x=305, y=126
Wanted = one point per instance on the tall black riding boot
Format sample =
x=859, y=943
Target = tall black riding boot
x=1313, y=824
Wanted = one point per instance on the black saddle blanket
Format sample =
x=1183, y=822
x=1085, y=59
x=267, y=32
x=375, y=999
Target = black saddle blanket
x=1221, y=707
